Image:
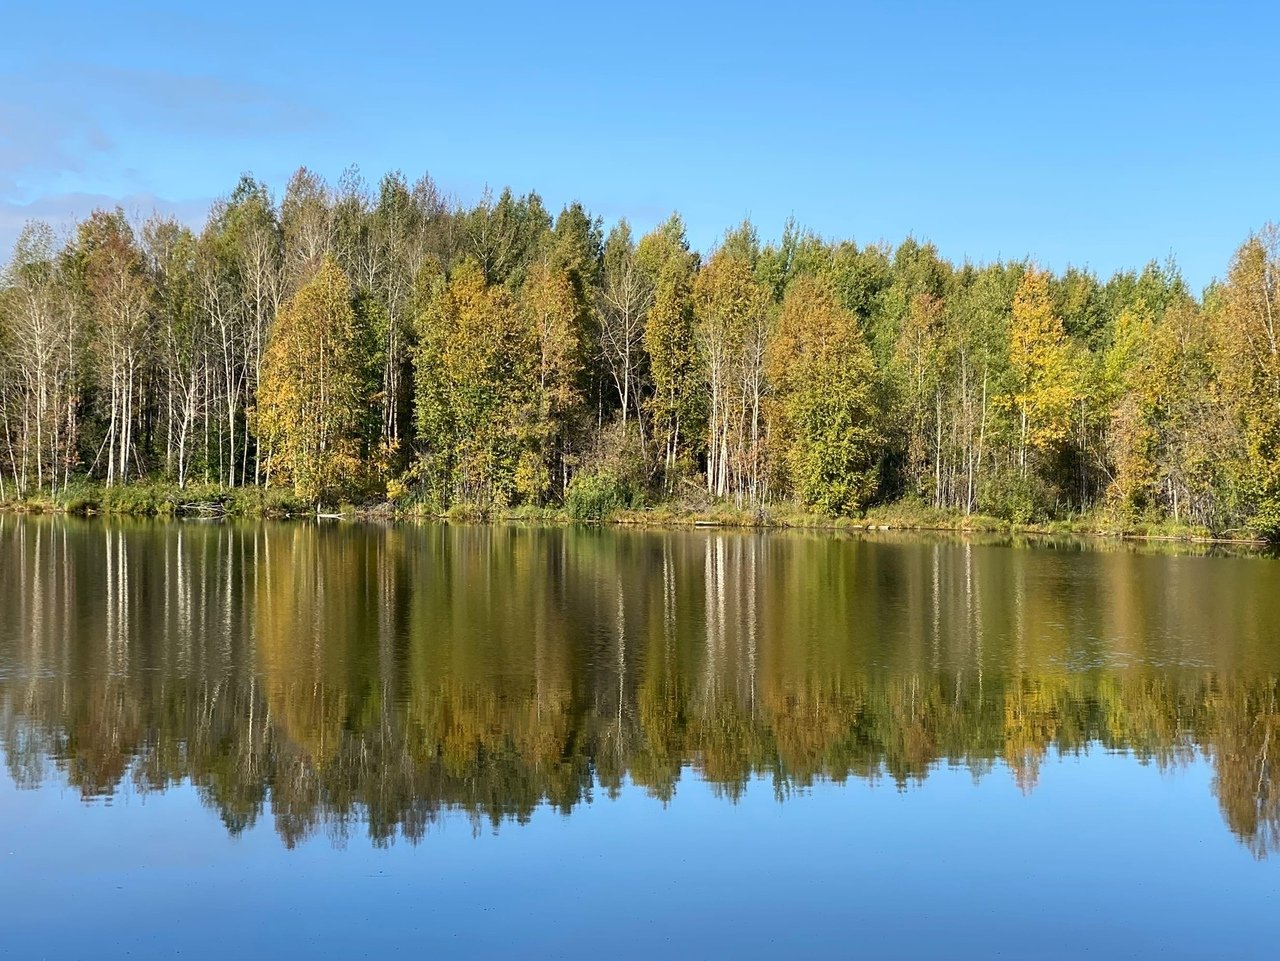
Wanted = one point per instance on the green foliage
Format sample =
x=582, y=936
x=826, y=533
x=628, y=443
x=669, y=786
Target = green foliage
x=1017, y=497
x=503, y=237
x=1045, y=381
x=615, y=476
x=477, y=400
x=1247, y=351
x=676, y=406
x=348, y=341
x=732, y=312
x=827, y=406
x=463, y=512
x=80, y=497
x=596, y=496
x=311, y=399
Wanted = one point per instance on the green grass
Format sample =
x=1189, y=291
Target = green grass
x=162, y=499
x=463, y=513
x=166, y=499
x=529, y=513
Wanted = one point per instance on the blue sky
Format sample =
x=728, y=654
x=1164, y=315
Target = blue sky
x=1099, y=134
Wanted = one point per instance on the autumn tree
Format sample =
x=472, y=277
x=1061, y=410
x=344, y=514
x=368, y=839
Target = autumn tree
x=307, y=225
x=118, y=295
x=920, y=376
x=623, y=301
x=172, y=255
x=731, y=316
x=1005, y=389
x=917, y=274
x=258, y=250
x=828, y=417
x=1197, y=437
x=670, y=341
x=241, y=278
x=551, y=311
x=476, y=406
x=401, y=233
x=42, y=336
x=1247, y=333
x=575, y=247
x=503, y=236
x=798, y=253
x=1044, y=383
x=309, y=401
x=1132, y=393
x=979, y=317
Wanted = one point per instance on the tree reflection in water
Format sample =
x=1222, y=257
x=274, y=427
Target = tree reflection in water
x=349, y=675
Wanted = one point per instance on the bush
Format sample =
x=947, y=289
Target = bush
x=264, y=502
x=1018, y=499
x=80, y=497
x=139, y=499
x=462, y=512
x=596, y=496
x=1266, y=519
x=614, y=477
x=397, y=491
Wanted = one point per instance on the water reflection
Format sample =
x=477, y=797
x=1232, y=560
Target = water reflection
x=341, y=676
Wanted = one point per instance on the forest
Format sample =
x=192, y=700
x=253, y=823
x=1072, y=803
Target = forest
x=390, y=345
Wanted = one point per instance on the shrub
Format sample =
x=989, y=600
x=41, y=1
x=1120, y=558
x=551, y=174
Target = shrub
x=595, y=496
x=1018, y=499
x=614, y=477
x=464, y=513
x=80, y=497
x=397, y=490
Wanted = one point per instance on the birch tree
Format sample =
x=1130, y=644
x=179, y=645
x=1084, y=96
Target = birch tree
x=731, y=316
x=622, y=309
x=309, y=403
x=42, y=348
x=119, y=297
x=670, y=341
x=828, y=422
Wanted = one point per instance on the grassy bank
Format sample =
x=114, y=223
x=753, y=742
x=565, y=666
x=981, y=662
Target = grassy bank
x=154, y=499
x=909, y=516
x=157, y=499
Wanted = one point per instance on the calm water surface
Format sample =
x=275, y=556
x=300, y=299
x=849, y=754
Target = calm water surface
x=271, y=740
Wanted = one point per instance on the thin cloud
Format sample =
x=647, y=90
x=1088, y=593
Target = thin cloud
x=63, y=211
x=198, y=103
x=66, y=119
x=42, y=144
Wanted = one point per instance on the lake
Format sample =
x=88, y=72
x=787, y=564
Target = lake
x=352, y=740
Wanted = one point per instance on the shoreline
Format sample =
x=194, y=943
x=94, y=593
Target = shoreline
x=214, y=503
x=1005, y=528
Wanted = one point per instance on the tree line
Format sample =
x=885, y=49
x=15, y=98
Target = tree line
x=386, y=342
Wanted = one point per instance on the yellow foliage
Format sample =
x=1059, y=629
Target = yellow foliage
x=1046, y=382
x=309, y=396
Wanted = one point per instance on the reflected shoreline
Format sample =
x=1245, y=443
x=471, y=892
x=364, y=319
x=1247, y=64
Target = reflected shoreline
x=379, y=676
